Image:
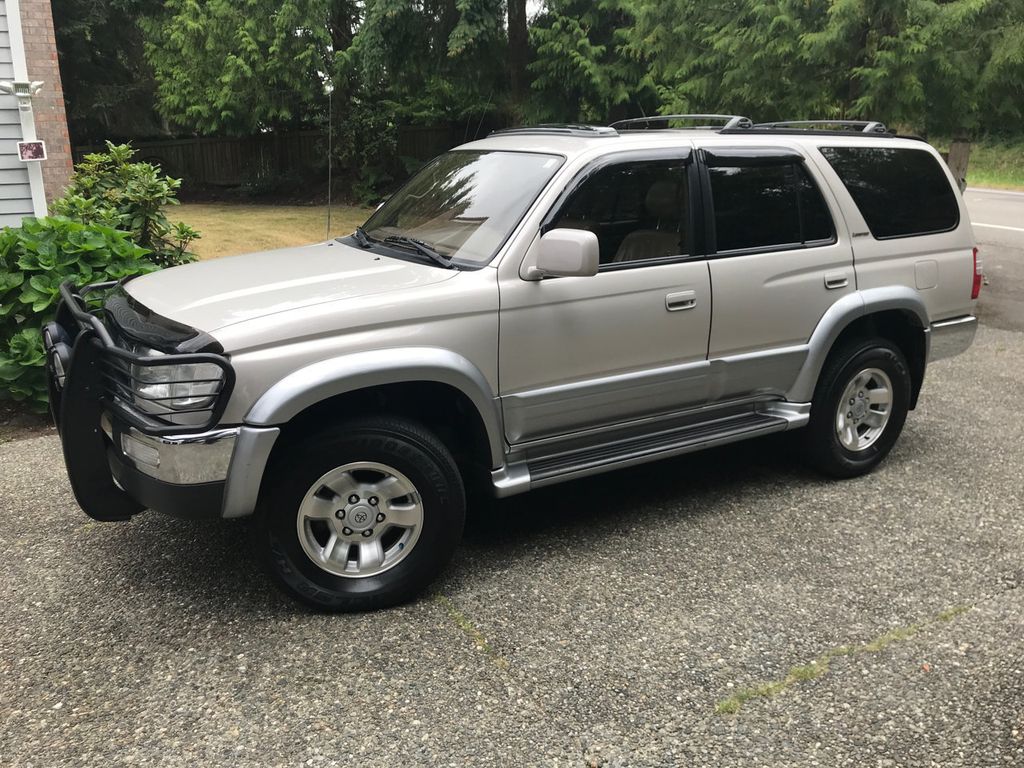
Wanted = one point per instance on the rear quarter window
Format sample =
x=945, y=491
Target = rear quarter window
x=900, y=192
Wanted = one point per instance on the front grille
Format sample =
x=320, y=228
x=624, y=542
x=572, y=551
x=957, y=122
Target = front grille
x=157, y=392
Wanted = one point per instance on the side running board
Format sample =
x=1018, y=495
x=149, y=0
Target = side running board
x=628, y=452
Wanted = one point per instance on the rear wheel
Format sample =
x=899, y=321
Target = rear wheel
x=362, y=516
x=859, y=408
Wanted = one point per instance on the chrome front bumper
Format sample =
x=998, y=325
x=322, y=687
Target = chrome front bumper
x=951, y=337
x=187, y=459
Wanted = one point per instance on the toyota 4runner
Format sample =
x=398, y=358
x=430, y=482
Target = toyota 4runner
x=542, y=305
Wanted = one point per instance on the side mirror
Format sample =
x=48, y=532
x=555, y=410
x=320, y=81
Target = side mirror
x=565, y=253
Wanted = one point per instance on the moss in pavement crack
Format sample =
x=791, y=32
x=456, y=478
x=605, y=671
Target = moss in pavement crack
x=470, y=630
x=820, y=665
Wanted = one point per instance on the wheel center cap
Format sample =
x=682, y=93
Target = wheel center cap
x=360, y=517
x=860, y=408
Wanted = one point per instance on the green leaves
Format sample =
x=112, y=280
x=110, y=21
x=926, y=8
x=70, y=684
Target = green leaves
x=930, y=65
x=110, y=192
x=34, y=260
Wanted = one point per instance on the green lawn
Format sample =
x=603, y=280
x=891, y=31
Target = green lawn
x=993, y=163
x=996, y=164
x=232, y=228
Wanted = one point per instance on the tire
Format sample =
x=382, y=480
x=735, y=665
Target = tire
x=829, y=445
x=370, y=564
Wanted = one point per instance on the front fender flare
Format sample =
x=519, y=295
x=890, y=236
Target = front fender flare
x=327, y=378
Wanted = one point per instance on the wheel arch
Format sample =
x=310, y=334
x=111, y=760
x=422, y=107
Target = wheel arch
x=371, y=371
x=896, y=313
x=441, y=389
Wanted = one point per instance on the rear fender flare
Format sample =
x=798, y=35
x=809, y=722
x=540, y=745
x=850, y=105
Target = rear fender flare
x=839, y=316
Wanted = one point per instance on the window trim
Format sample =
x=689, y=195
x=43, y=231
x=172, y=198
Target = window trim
x=764, y=157
x=683, y=155
x=956, y=222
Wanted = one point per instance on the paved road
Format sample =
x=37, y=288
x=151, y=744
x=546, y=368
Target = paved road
x=600, y=623
x=998, y=219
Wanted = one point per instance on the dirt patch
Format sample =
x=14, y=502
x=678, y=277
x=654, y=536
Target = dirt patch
x=17, y=423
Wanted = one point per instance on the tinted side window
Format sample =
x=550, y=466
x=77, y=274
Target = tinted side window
x=899, y=191
x=638, y=210
x=817, y=221
x=762, y=206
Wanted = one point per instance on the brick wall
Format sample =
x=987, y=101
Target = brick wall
x=48, y=105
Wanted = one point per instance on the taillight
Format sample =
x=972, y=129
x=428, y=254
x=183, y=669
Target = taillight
x=978, y=276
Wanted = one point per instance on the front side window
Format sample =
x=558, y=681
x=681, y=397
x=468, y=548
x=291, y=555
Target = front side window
x=763, y=206
x=638, y=210
x=465, y=204
x=899, y=191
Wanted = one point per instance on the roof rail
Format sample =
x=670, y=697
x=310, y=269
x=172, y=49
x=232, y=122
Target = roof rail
x=562, y=129
x=863, y=126
x=728, y=121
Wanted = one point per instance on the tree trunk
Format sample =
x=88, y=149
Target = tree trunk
x=518, y=49
x=959, y=155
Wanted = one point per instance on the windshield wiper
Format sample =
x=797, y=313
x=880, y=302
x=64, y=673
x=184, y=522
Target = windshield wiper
x=362, y=238
x=422, y=248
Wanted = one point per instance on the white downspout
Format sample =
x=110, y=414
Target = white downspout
x=28, y=121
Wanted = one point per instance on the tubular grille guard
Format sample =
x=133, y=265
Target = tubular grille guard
x=122, y=393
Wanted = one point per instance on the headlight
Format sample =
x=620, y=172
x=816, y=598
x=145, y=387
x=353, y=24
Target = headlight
x=180, y=387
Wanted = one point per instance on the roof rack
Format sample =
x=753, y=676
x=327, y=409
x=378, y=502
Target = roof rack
x=563, y=129
x=728, y=122
x=861, y=126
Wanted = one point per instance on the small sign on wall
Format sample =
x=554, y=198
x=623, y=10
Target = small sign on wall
x=31, y=150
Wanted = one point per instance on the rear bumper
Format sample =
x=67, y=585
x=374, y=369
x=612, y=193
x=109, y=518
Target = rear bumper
x=951, y=337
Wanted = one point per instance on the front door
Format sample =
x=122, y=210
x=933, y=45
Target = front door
x=581, y=353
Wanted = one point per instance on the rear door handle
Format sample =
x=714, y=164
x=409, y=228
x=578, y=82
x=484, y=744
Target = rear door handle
x=836, y=280
x=676, y=302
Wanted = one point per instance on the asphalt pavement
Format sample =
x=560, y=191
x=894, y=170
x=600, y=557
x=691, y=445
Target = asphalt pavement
x=724, y=609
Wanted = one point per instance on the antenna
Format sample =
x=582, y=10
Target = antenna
x=330, y=150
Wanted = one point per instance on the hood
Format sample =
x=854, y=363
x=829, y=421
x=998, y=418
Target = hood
x=208, y=295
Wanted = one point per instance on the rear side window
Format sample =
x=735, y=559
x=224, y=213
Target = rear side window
x=900, y=192
x=765, y=206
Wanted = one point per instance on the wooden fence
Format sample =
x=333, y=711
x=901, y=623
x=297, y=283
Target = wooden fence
x=231, y=161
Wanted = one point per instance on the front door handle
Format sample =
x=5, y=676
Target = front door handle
x=675, y=302
x=836, y=280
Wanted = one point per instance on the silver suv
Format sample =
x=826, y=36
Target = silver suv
x=542, y=305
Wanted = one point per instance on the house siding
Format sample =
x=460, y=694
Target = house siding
x=15, y=190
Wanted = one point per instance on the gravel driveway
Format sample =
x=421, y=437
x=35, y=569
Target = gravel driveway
x=600, y=623
x=724, y=609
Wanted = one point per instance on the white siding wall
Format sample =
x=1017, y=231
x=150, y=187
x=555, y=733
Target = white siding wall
x=15, y=191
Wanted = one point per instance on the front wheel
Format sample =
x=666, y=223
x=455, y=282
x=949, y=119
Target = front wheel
x=361, y=516
x=859, y=408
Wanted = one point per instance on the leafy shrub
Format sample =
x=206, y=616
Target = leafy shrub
x=109, y=190
x=34, y=260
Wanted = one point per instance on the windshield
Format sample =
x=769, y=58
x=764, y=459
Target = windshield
x=464, y=204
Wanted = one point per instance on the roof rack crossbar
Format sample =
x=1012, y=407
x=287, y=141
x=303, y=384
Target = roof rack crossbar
x=728, y=121
x=563, y=129
x=865, y=126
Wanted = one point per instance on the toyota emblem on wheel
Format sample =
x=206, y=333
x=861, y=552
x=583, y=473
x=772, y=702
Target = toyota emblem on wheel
x=359, y=517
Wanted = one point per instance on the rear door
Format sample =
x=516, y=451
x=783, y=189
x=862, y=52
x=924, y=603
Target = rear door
x=779, y=258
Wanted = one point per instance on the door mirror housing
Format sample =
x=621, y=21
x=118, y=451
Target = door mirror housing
x=565, y=253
